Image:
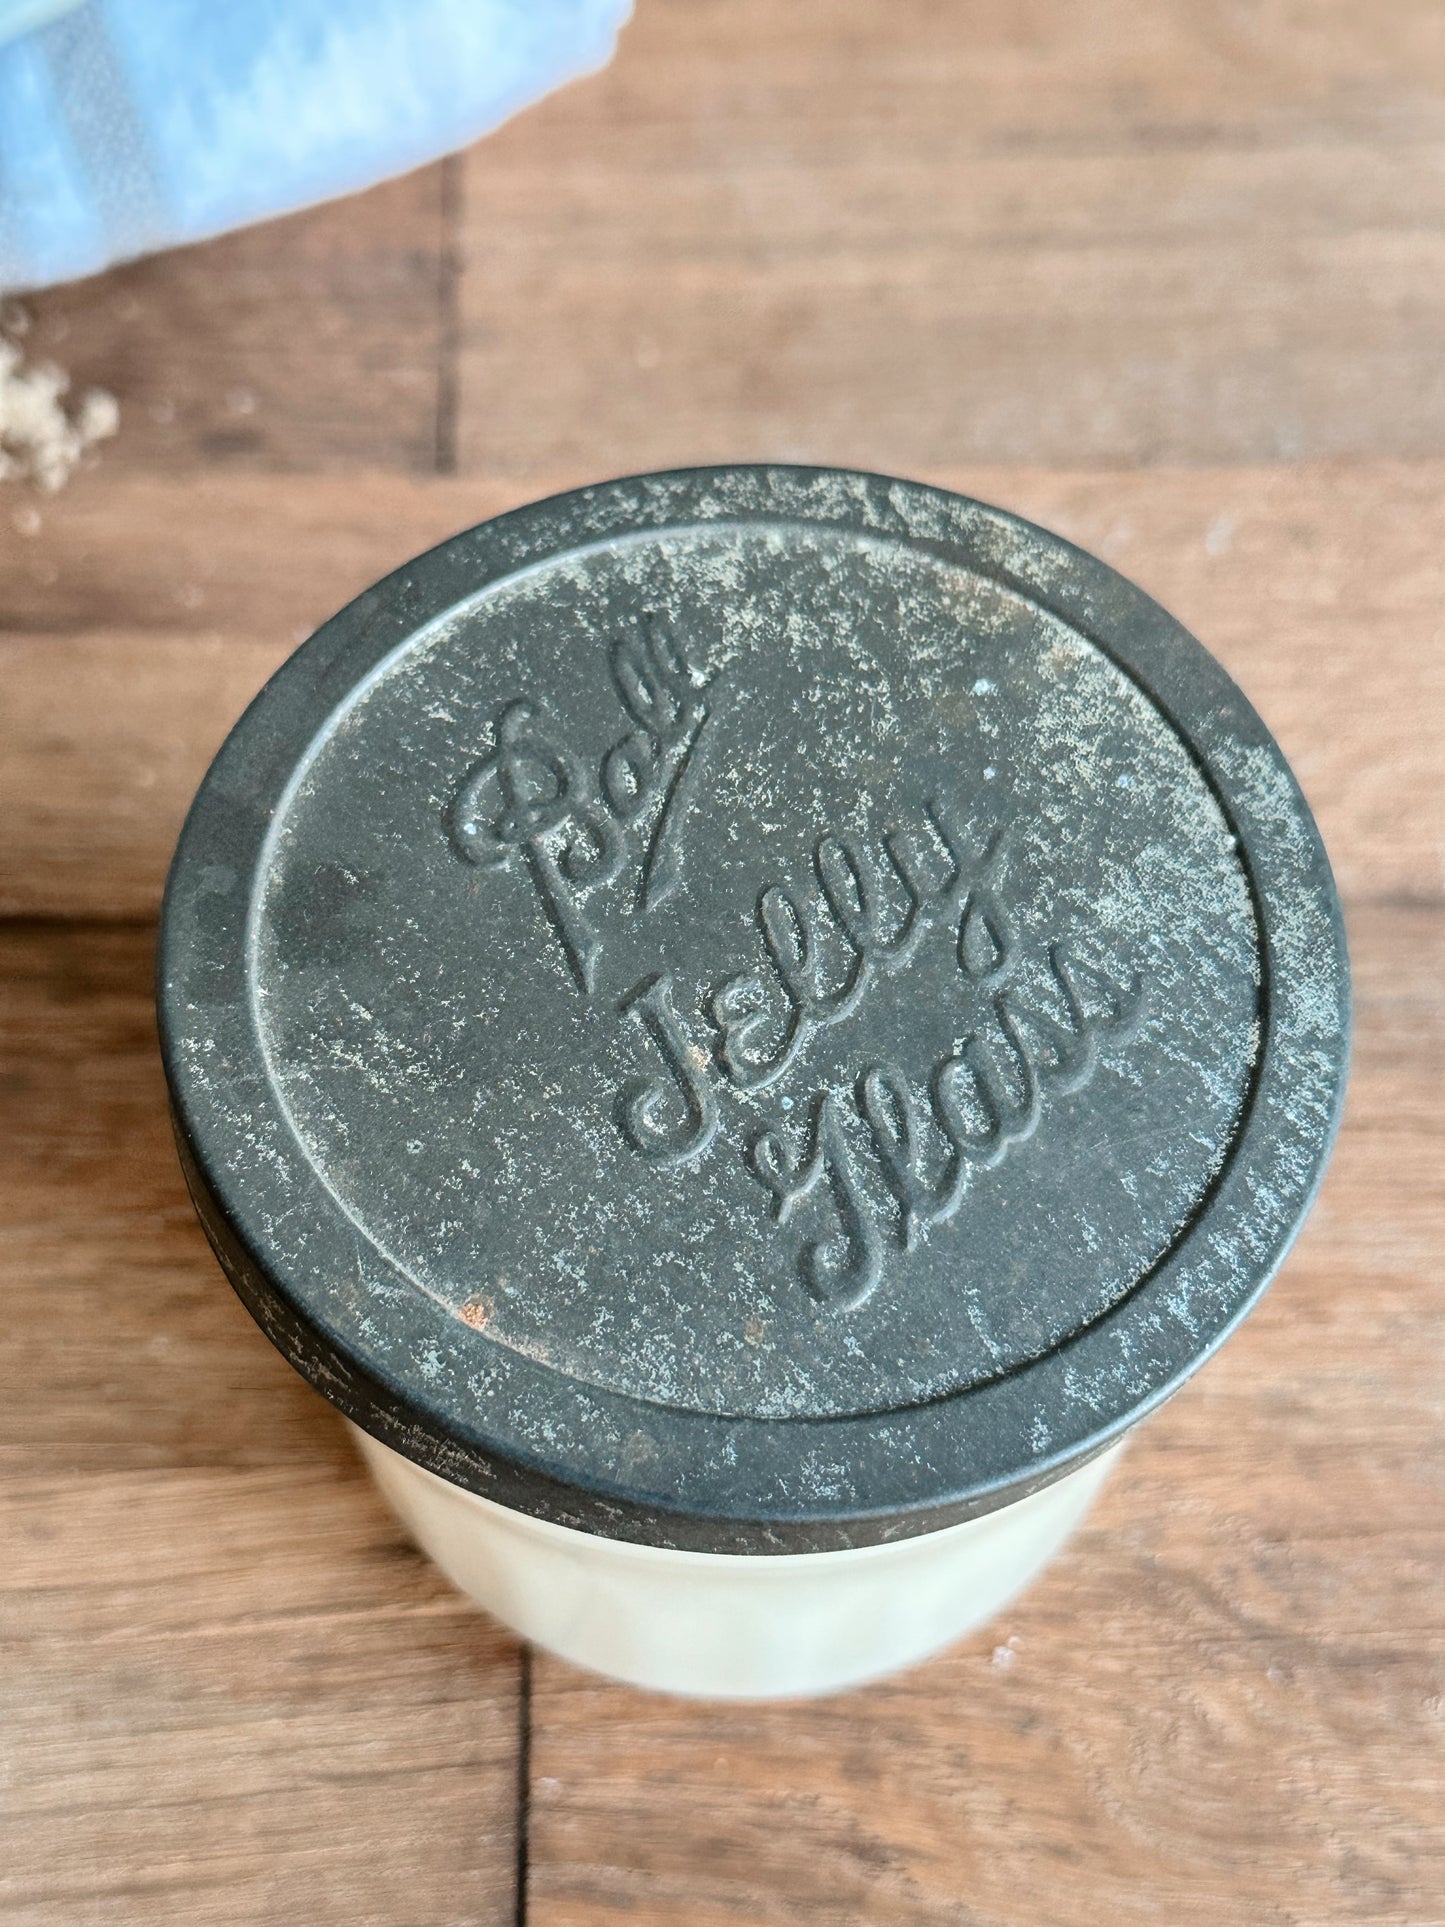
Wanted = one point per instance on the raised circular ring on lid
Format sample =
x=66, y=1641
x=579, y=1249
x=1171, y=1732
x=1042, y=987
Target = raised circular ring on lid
x=754, y=1009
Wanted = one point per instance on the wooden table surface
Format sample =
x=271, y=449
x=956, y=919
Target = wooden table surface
x=1168, y=278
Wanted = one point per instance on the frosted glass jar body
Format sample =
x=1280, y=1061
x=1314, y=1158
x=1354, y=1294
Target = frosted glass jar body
x=721, y=1625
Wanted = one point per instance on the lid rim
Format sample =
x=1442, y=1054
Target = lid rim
x=746, y=1484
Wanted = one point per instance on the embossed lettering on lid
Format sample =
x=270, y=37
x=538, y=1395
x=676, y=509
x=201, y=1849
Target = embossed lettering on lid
x=780, y=1008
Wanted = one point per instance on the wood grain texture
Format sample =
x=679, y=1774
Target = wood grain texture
x=1223, y=1704
x=1321, y=587
x=228, y=1694
x=1166, y=279
x=912, y=236
x=315, y=342
x=124, y=1351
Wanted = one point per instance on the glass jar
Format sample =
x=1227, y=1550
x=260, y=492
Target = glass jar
x=744, y=1026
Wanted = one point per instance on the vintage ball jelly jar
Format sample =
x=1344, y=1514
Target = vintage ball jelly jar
x=743, y=1026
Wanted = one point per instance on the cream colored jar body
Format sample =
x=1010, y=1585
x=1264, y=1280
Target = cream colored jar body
x=724, y=1626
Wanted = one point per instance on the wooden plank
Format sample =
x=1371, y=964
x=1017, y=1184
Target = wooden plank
x=118, y=727
x=126, y=660
x=228, y=1694
x=913, y=237
x=124, y=1348
x=231, y=1698
x=1222, y=1704
x=314, y=342
x=221, y=554
x=240, y=1701
x=949, y=243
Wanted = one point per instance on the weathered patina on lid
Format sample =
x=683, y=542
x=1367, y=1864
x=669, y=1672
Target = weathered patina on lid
x=758, y=1009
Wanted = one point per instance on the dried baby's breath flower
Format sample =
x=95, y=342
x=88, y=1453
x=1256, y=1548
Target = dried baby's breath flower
x=40, y=440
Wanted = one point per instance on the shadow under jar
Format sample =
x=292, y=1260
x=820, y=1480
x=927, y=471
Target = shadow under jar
x=744, y=1025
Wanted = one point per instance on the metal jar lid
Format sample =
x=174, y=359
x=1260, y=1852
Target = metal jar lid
x=754, y=1009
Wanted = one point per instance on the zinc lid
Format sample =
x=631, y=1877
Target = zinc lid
x=755, y=1009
